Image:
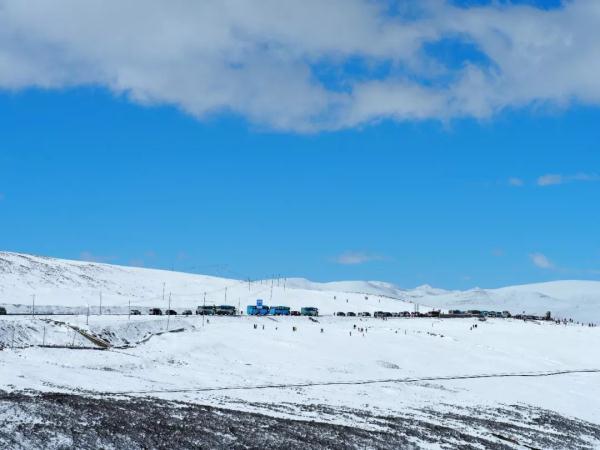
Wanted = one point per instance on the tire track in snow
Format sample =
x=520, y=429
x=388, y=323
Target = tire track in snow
x=359, y=382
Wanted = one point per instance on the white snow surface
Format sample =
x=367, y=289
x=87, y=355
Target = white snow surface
x=229, y=352
x=227, y=361
x=59, y=284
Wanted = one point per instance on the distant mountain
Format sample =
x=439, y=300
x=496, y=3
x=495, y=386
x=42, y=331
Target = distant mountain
x=76, y=284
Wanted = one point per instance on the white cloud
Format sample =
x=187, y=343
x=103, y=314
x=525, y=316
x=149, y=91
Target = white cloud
x=137, y=262
x=354, y=258
x=90, y=257
x=517, y=182
x=542, y=261
x=552, y=179
x=258, y=58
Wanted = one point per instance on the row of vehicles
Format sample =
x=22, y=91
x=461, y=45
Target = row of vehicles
x=434, y=313
x=222, y=310
x=159, y=312
x=263, y=310
x=386, y=314
x=229, y=310
x=216, y=310
x=478, y=313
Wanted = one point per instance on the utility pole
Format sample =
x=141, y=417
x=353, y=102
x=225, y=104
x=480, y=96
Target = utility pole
x=33, y=307
x=204, y=309
x=169, y=312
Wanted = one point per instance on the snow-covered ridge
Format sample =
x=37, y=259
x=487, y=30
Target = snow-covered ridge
x=68, y=283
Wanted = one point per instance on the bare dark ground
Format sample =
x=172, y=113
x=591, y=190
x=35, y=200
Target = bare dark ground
x=61, y=421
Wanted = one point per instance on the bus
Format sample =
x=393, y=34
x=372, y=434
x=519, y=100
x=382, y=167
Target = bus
x=279, y=311
x=253, y=310
x=309, y=311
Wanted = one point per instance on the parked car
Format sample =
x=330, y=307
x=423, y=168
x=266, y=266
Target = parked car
x=309, y=311
x=379, y=314
x=187, y=312
x=351, y=314
x=506, y=314
x=206, y=310
x=171, y=312
x=364, y=314
x=225, y=310
x=396, y=314
x=135, y=312
x=295, y=313
x=340, y=314
x=2, y=311
x=156, y=312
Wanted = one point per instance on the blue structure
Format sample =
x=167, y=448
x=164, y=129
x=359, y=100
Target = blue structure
x=253, y=310
x=280, y=311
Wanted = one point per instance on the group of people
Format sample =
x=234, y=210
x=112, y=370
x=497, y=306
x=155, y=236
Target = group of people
x=583, y=324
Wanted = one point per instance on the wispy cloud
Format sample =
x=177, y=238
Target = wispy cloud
x=354, y=258
x=517, y=182
x=555, y=178
x=90, y=257
x=540, y=260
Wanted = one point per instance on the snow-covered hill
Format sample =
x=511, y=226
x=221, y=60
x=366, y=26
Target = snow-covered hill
x=76, y=284
x=404, y=382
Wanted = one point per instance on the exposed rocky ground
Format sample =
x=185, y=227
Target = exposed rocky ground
x=61, y=421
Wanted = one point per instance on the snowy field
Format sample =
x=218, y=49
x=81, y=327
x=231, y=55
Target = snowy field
x=394, y=367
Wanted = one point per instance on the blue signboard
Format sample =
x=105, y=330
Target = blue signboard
x=259, y=302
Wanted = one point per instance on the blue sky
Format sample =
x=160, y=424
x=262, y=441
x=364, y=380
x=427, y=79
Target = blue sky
x=408, y=177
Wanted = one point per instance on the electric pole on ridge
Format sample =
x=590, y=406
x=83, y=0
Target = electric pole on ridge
x=204, y=309
x=169, y=312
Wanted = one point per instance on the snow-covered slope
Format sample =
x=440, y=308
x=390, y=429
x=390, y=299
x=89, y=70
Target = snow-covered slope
x=60, y=283
x=76, y=284
x=579, y=300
